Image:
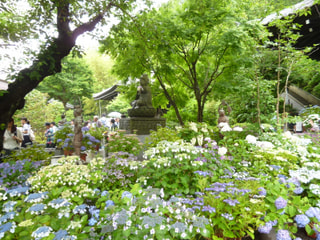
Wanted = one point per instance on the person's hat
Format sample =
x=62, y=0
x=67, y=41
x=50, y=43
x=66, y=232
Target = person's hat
x=47, y=124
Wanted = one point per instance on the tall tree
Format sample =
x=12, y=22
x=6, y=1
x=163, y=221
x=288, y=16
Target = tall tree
x=186, y=46
x=63, y=19
x=73, y=82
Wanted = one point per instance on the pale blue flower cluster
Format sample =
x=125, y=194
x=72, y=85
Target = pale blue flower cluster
x=301, y=220
x=8, y=206
x=283, y=235
x=42, y=232
x=109, y=203
x=81, y=209
x=10, y=215
x=7, y=227
x=313, y=212
x=126, y=194
x=280, y=203
x=36, y=197
x=18, y=191
x=37, y=208
x=265, y=228
x=152, y=220
x=58, y=203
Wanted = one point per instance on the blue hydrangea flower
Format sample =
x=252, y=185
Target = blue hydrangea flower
x=18, y=191
x=59, y=140
x=92, y=221
x=67, y=140
x=302, y=220
x=104, y=193
x=9, y=226
x=313, y=212
x=60, y=234
x=283, y=235
x=202, y=173
x=126, y=194
x=262, y=191
x=70, y=134
x=8, y=206
x=58, y=203
x=280, y=203
x=83, y=148
x=81, y=209
x=7, y=216
x=37, y=208
x=265, y=228
x=41, y=232
x=109, y=203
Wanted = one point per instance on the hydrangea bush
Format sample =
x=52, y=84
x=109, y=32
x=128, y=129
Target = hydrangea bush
x=178, y=192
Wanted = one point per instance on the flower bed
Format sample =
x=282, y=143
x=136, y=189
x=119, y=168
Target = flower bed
x=179, y=191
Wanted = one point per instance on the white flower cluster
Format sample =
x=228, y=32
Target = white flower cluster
x=58, y=203
x=304, y=174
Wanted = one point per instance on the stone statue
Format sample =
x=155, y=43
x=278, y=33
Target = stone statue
x=222, y=117
x=142, y=105
x=143, y=97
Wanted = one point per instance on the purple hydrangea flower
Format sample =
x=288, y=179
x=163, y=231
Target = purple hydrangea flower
x=302, y=220
x=298, y=190
x=280, y=203
x=83, y=148
x=265, y=228
x=283, y=235
x=231, y=202
x=262, y=191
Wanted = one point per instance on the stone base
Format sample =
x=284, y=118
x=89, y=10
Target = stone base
x=143, y=125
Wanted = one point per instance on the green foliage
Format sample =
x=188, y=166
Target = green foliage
x=196, y=133
x=38, y=111
x=120, y=142
x=161, y=134
x=73, y=82
x=33, y=152
x=120, y=104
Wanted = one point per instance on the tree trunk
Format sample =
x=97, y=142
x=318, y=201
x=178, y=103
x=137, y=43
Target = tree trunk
x=171, y=101
x=48, y=62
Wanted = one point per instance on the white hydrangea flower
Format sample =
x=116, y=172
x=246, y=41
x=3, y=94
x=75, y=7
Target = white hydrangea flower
x=251, y=139
x=222, y=151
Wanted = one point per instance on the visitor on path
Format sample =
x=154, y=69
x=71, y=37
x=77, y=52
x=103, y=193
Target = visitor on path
x=113, y=124
x=298, y=128
x=49, y=135
x=25, y=132
x=104, y=120
x=12, y=138
x=53, y=127
x=314, y=126
x=96, y=122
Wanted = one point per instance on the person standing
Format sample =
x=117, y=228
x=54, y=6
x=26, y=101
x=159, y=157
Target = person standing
x=26, y=132
x=53, y=127
x=104, y=120
x=12, y=138
x=49, y=135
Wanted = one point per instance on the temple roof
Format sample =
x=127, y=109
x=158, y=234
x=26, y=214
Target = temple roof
x=310, y=30
x=107, y=94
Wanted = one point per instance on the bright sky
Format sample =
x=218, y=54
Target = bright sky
x=8, y=55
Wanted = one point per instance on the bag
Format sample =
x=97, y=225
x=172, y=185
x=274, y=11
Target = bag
x=31, y=134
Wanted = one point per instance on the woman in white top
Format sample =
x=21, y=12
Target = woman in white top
x=12, y=138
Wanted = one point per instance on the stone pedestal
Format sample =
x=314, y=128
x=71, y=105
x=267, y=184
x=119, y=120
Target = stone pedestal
x=143, y=125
